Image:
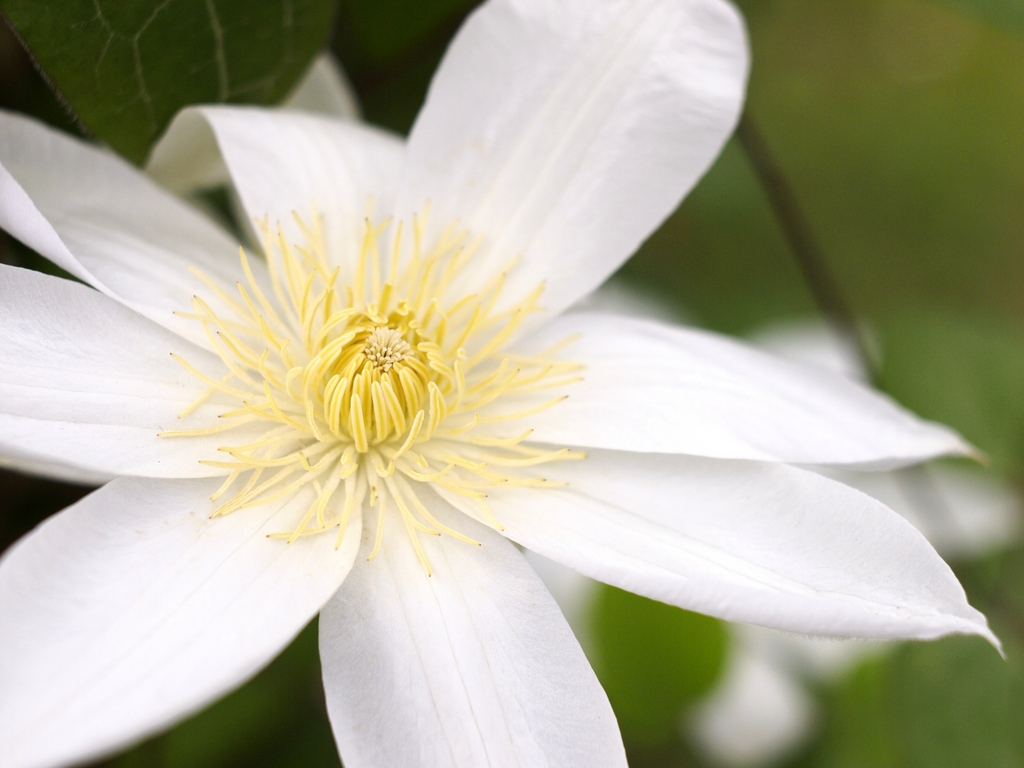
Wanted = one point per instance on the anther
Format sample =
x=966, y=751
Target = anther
x=385, y=347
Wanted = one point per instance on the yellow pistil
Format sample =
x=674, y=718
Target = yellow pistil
x=373, y=387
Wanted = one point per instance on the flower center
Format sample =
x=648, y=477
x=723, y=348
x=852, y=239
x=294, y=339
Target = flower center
x=367, y=389
x=384, y=347
x=371, y=380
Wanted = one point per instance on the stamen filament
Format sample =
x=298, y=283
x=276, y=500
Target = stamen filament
x=371, y=389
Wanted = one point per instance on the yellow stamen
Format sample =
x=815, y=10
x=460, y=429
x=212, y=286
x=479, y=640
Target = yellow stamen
x=347, y=379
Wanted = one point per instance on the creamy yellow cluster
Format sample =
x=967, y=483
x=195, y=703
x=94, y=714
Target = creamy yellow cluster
x=373, y=385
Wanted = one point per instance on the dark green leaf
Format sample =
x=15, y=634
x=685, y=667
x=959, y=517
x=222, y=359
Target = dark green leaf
x=127, y=67
x=653, y=660
x=389, y=29
x=23, y=89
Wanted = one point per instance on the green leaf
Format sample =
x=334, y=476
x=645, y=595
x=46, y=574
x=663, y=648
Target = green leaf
x=857, y=731
x=966, y=371
x=389, y=29
x=23, y=89
x=126, y=67
x=958, y=704
x=953, y=703
x=1003, y=13
x=653, y=660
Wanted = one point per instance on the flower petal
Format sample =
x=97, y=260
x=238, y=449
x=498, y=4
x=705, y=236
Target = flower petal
x=106, y=223
x=762, y=543
x=656, y=388
x=132, y=609
x=812, y=343
x=473, y=665
x=284, y=163
x=325, y=90
x=88, y=384
x=963, y=513
x=566, y=132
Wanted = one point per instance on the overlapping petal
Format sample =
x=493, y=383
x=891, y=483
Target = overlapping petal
x=97, y=217
x=662, y=389
x=565, y=133
x=88, y=383
x=153, y=611
x=471, y=666
x=323, y=90
x=754, y=542
x=282, y=163
x=962, y=512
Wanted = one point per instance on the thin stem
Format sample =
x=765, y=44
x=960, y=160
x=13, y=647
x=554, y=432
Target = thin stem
x=810, y=258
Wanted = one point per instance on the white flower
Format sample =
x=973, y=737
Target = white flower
x=360, y=391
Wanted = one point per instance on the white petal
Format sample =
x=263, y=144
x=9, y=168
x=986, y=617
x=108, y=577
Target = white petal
x=471, y=666
x=87, y=383
x=105, y=222
x=282, y=163
x=812, y=343
x=656, y=388
x=574, y=593
x=758, y=715
x=326, y=90
x=762, y=543
x=617, y=297
x=197, y=163
x=132, y=609
x=962, y=513
x=566, y=132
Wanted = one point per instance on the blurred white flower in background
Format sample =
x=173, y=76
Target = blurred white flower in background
x=761, y=711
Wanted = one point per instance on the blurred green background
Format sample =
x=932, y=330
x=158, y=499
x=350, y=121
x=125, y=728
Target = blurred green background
x=899, y=125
